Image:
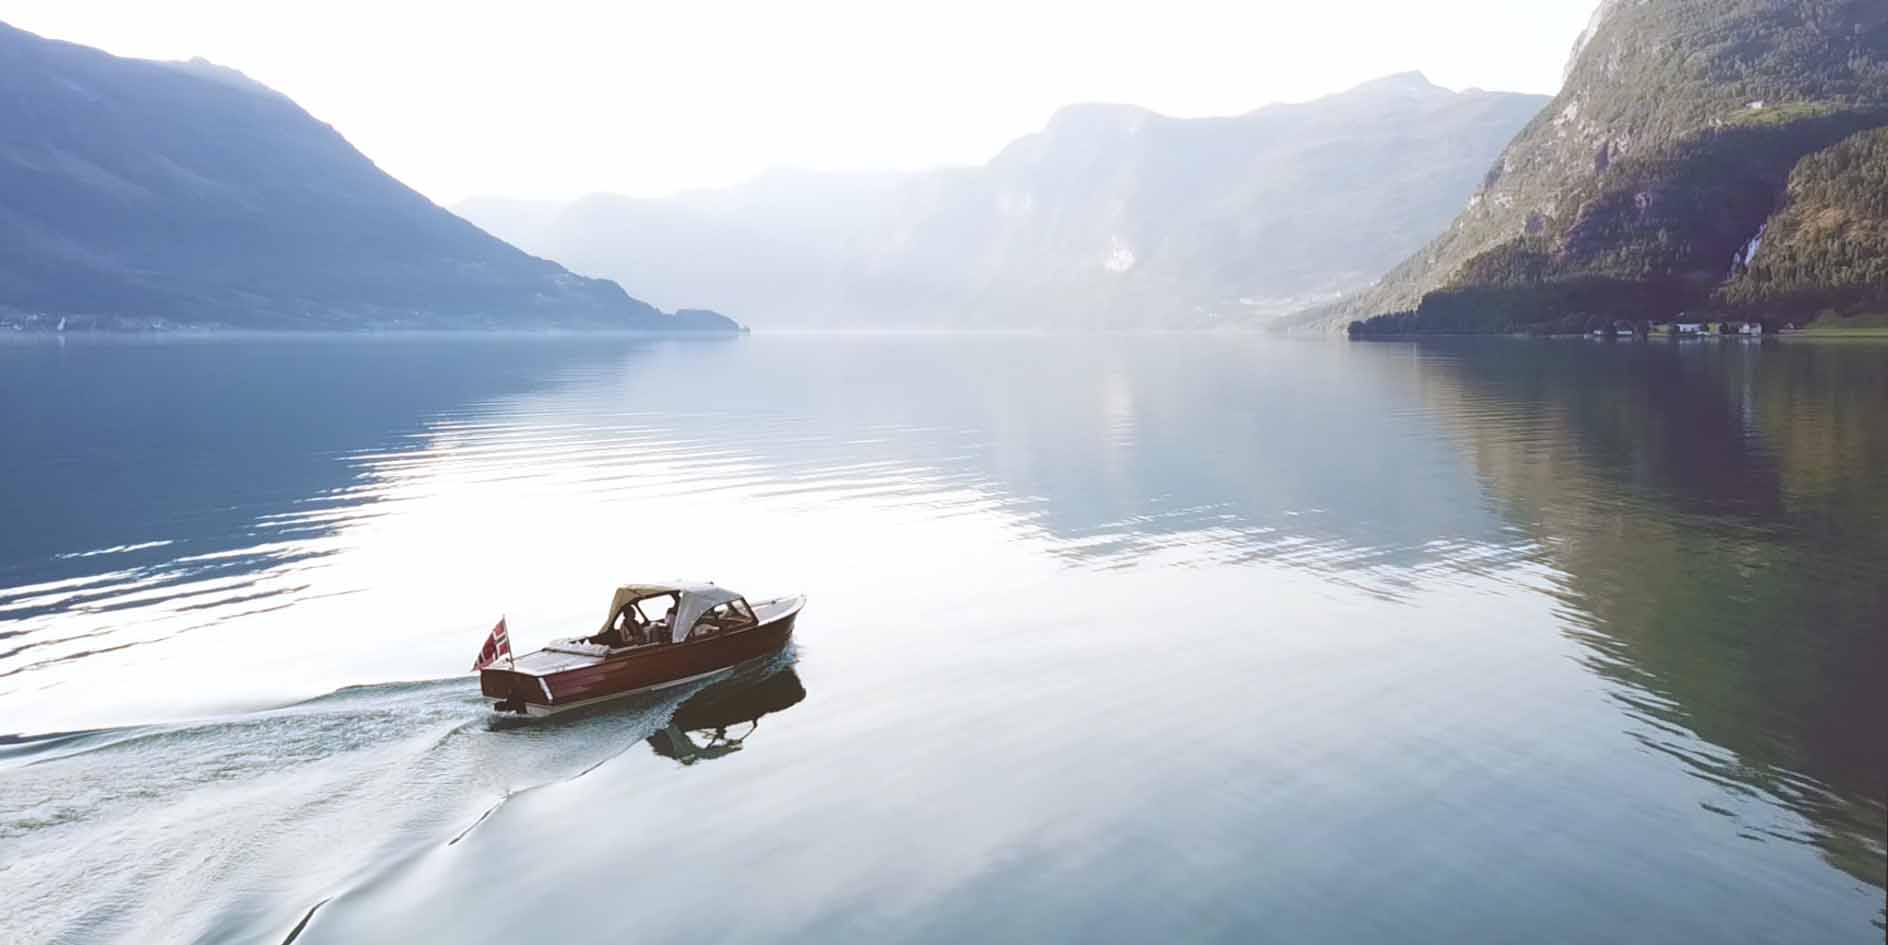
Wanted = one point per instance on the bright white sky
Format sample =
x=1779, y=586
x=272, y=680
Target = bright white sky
x=553, y=99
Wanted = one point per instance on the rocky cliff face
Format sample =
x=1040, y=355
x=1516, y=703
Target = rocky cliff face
x=1664, y=154
x=140, y=194
x=1593, y=24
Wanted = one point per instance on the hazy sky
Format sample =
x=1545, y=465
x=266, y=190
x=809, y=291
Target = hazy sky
x=554, y=99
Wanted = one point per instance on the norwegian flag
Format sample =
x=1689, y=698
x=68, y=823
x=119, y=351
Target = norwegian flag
x=497, y=645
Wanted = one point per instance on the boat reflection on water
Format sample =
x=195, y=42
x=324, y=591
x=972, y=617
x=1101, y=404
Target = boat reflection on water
x=717, y=720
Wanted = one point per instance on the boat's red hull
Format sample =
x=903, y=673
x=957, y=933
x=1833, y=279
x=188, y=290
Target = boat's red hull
x=624, y=674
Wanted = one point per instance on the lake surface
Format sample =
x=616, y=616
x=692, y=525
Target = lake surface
x=1117, y=639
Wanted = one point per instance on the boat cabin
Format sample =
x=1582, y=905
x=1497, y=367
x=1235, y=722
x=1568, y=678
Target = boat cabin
x=657, y=614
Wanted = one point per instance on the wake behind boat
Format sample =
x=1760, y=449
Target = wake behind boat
x=655, y=635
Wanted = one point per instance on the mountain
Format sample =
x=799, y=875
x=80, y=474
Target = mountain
x=1111, y=215
x=1827, y=249
x=1643, y=189
x=774, y=245
x=137, y=193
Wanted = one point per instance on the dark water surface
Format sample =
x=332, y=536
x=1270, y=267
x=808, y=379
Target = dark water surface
x=1124, y=639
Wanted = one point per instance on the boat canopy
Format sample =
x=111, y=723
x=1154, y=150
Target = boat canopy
x=693, y=601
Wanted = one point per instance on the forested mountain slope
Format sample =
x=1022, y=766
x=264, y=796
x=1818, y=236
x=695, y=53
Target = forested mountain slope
x=1640, y=189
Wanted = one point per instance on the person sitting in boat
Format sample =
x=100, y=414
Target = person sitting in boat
x=628, y=629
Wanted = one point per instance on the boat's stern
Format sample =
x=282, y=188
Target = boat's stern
x=513, y=690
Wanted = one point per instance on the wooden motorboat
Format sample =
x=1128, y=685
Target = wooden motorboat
x=656, y=635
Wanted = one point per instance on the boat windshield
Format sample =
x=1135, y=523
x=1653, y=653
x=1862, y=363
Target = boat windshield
x=725, y=617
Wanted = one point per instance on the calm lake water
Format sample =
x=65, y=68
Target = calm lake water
x=1122, y=639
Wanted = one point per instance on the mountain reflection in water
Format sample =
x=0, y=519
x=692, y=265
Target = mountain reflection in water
x=1719, y=520
x=1126, y=638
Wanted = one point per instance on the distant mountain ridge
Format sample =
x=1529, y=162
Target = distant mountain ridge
x=1110, y=216
x=137, y=193
x=1645, y=188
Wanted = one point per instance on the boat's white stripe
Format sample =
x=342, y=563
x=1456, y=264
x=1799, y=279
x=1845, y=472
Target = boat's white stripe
x=534, y=710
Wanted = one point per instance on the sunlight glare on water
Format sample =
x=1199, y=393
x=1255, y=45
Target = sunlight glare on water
x=1118, y=638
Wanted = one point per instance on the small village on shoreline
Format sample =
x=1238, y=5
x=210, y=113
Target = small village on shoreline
x=1684, y=328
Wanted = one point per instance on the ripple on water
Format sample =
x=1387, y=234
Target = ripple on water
x=1053, y=581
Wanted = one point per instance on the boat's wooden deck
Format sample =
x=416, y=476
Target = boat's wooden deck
x=766, y=610
x=546, y=662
